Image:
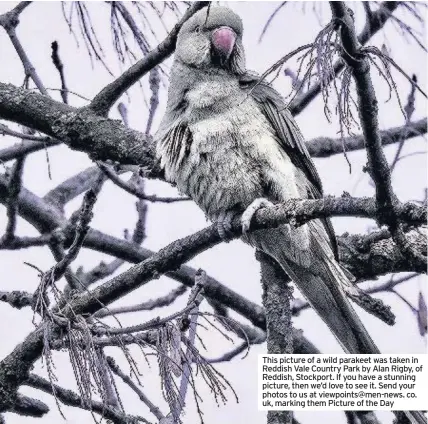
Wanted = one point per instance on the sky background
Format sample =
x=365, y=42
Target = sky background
x=233, y=264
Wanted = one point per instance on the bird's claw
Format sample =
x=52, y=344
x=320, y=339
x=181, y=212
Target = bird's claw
x=248, y=214
x=224, y=225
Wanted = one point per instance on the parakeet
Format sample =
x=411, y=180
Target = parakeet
x=232, y=146
x=228, y=141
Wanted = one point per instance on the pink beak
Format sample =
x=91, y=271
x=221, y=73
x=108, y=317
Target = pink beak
x=223, y=40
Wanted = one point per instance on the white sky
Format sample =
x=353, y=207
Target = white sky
x=233, y=263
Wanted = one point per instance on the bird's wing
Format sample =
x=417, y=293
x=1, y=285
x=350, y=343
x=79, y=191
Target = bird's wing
x=173, y=138
x=176, y=142
x=289, y=138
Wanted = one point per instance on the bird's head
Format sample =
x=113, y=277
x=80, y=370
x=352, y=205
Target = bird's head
x=212, y=39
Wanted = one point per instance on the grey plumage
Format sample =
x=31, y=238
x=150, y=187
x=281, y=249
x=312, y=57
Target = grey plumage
x=225, y=143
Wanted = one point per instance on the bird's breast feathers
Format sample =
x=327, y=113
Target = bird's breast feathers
x=232, y=153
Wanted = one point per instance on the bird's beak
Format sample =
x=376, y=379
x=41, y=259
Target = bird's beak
x=223, y=40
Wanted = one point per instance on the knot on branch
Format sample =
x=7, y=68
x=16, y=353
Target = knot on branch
x=9, y=21
x=414, y=212
x=17, y=299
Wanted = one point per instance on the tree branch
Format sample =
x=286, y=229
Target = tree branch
x=166, y=260
x=29, y=407
x=24, y=355
x=149, y=305
x=277, y=294
x=60, y=68
x=19, y=150
x=104, y=139
x=70, y=398
x=131, y=188
x=379, y=18
x=181, y=251
x=72, y=187
x=47, y=218
x=17, y=299
x=12, y=204
x=80, y=129
x=127, y=380
x=9, y=21
x=322, y=147
x=105, y=99
x=378, y=167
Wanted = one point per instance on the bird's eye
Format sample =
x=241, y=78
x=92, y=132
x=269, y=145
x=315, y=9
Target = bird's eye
x=197, y=29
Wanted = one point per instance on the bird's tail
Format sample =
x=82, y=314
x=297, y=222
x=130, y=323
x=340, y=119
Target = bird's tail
x=322, y=285
x=319, y=278
x=416, y=417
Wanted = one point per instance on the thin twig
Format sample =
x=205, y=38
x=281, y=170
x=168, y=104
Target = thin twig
x=70, y=398
x=82, y=228
x=195, y=298
x=127, y=380
x=4, y=130
x=64, y=261
x=60, y=68
x=323, y=147
x=154, y=77
x=145, y=306
x=9, y=21
x=104, y=100
x=271, y=17
x=133, y=188
x=409, y=109
x=379, y=19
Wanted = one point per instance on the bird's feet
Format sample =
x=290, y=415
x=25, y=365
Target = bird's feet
x=248, y=214
x=224, y=225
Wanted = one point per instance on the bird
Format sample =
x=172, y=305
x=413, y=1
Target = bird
x=229, y=142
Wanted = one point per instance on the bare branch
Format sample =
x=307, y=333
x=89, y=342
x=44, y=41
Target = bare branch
x=154, y=78
x=408, y=109
x=365, y=256
x=18, y=243
x=9, y=21
x=105, y=99
x=322, y=147
x=133, y=189
x=30, y=407
x=17, y=299
x=271, y=17
x=80, y=129
x=379, y=18
x=61, y=268
x=60, y=67
x=46, y=218
x=127, y=380
x=195, y=298
x=21, y=6
x=70, y=398
x=144, y=306
x=183, y=250
x=277, y=294
x=21, y=149
x=72, y=187
x=378, y=167
x=4, y=130
x=81, y=230
x=12, y=206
